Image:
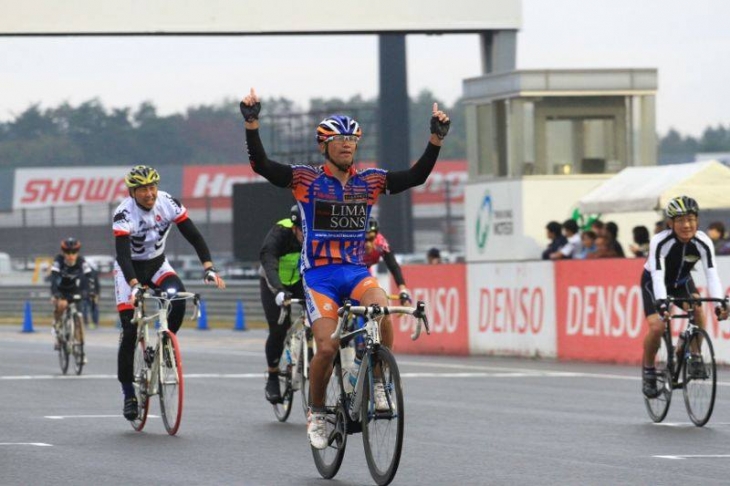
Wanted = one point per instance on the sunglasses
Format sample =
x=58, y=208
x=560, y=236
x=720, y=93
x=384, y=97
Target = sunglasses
x=344, y=138
x=70, y=252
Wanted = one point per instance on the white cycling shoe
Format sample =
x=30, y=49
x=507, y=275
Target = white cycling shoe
x=381, y=400
x=317, y=430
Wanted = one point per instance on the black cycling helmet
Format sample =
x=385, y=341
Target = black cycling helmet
x=296, y=216
x=372, y=225
x=681, y=206
x=70, y=245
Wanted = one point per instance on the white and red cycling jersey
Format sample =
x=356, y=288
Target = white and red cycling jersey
x=148, y=230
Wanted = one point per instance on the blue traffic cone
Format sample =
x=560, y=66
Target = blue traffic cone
x=240, y=324
x=27, y=318
x=203, y=317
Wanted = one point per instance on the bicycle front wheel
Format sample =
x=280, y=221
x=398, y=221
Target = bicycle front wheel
x=329, y=459
x=64, y=336
x=171, y=382
x=305, y=357
x=283, y=409
x=78, y=344
x=659, y=406
x=382, y=431
x=700, y=378
x=140, y=385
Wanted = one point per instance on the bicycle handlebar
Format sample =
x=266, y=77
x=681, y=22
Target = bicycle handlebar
x=286, y=309
x=693, y=301
x=374, y=310
x=163, y=296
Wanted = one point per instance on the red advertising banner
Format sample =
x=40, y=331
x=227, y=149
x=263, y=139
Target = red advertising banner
x=443, y=289
x=599, y=310
x=216, y=182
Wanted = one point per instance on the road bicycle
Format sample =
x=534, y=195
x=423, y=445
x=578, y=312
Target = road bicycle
x=70, y=336
x=294, y=361
x=157, y=363
x=689, y=365
x=349, y=412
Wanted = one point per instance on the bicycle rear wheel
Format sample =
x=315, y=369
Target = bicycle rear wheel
x=382, y=431
x=659, y=406
x=329, y=459
x=78, y=344
x=700, y=378
x=140, y=385
x=283, y=409
x=64, y=337
x=171, y=382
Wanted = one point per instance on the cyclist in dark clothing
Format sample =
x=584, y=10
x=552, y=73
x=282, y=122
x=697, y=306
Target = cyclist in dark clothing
x=673, y=254
x=69, y=275
x=280, y=281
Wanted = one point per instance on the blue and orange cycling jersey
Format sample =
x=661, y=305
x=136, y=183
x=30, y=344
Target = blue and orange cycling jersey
x=334, y=216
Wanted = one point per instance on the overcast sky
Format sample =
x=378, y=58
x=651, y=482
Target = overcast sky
x=689, y=42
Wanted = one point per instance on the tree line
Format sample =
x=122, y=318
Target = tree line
x=92, y=134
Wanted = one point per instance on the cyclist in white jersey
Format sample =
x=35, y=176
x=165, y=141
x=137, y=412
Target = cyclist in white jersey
x=141, y=225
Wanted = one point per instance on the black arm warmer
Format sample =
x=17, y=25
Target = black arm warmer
x=394, y=268
x=124, y=257
x=399, y=181
x=190, y=232
x=278, y=174
x=271, y=251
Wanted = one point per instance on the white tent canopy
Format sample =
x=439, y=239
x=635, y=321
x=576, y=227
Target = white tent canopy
x=651, y=188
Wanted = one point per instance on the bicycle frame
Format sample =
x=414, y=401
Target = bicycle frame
x=371, y=330
x=684, y=336
x=143, y=319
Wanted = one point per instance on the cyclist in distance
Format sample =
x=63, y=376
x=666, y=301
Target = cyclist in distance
x=673, y=253
x=377, y=247
x=141, y=225
x=70, y=274
x=280, y=281
x=335, y=202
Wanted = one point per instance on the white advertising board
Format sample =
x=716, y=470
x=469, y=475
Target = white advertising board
x=44, y=187
x=512, y=309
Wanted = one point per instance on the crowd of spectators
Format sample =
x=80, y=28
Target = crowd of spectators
x=601, y=240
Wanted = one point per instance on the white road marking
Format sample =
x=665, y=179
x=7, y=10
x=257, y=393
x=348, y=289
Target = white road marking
x=36, y=444
x=695, y=456
x=63, y=417
x=689, y=425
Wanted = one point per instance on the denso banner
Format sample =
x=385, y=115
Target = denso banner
x=72, y=186
x=600, y=313
x=443, y=289
x=512, y=309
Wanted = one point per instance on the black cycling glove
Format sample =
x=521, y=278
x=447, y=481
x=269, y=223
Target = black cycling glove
x=439, y=128
x=250, y=113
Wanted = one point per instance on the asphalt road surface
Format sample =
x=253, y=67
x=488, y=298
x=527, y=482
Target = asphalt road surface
x=477, y=420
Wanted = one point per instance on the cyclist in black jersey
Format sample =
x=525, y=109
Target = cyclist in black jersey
x=280, y=281
x=673, y=253
x=70, y=273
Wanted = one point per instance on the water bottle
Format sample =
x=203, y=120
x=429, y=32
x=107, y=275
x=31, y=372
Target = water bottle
x=347, y=359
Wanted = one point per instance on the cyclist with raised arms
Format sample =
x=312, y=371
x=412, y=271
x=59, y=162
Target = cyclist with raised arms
x=70, y=274
x=335, y=202
x=141, y=225
x=673, y=253
x=280, y=281
x=377, y=247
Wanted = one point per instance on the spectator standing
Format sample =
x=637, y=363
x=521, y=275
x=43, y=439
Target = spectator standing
x=573, y=245
x=604, y=249
x=612, y=234
x=598, y=227
x=557, y=240
x=588, y=244
x=640, y=247
x=716, y=232
x=91, y=292
x=433, y=256
x=660, y=226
